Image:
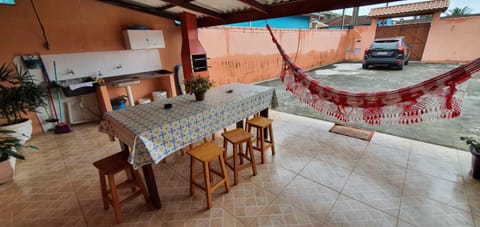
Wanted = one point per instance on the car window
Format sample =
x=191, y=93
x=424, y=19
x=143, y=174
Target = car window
x=385, y=44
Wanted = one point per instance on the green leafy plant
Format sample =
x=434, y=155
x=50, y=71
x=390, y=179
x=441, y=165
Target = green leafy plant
x=471, y=142
x=10, y=145
x=198, y=84
x=19, y=94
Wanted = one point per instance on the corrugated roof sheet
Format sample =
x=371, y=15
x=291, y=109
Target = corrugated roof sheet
x=409, y=9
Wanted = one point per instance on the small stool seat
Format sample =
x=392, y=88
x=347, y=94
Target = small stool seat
x=107, y=168
x=237, y=137
x=262, y=124
x=206, y=153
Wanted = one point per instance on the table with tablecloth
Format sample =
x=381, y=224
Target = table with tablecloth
x=152, y=132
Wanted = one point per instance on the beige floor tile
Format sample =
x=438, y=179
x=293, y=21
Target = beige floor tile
x=391, y=141
x=476, y=218
x=473, y=193
x=375, y=192
x=443, y=191
x=6, y=209
x=422, y=211
x=402, y=223
x=288, y=156
x=352, y=143
x=6, y=223
x=47, y=206
x=42, y=222
x=376, y=168
x=435, y=165
x=214, y=217
x=326, y=174
x=350, y=212
x=136, y=211
x=245, y=201
x=398, y=156
x=340, y=154
x=305, y=145
x=58, y=185
x=270, y=178
x=282, y=214
x=310, y=197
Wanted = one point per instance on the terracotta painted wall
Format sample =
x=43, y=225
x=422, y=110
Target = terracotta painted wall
x=249, y=55
x=79, y=26
x=359, y=39
x=453, y=40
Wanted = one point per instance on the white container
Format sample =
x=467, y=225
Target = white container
x=159, y=95
x=143, y=101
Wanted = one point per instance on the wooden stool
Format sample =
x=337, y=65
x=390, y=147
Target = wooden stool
x=110, y=166
x=237, y=137
x=205, y=153
x=262, y=143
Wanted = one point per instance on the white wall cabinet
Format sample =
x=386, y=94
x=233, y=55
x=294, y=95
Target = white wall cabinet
x=143, y=39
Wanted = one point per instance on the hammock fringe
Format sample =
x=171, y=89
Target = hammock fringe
x=432, y=99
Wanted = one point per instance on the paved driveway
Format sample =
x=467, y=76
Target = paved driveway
x=351, y=77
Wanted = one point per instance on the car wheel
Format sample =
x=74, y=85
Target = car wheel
x=400, y=67
x=365, y=66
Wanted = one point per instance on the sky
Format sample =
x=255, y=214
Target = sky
x=473, y=4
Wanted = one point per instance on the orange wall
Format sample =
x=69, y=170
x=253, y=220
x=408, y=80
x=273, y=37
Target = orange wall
x=359, y=38
x=249, y=55
x=453, y=40
x=78, y=26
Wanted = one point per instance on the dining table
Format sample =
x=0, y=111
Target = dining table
x=150, y=132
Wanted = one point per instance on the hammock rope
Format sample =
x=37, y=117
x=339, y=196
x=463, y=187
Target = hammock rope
x=434, y=98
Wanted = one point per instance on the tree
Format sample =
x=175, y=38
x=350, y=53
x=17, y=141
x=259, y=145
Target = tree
x=455, y=12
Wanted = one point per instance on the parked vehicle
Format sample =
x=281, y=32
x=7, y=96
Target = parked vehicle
x=387, y=51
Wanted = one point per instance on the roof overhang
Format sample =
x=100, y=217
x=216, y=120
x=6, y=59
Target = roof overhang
x=221, y=12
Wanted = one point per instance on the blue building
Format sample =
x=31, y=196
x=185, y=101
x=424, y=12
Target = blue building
x=299, y=21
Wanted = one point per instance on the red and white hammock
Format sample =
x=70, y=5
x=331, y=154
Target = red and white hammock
x=428, y=100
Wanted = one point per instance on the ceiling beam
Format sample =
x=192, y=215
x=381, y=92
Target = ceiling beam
x=144, y=9
x=187, y=5
x=167, y=6
x=257, y=6
x=287, y=9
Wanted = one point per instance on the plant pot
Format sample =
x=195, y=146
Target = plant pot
x=23, y=130
x=200, y=96
x=475, y=162
x=7, y=170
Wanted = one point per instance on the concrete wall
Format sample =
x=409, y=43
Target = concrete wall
x=79, y=26
x=453, y=40
x=249, y=55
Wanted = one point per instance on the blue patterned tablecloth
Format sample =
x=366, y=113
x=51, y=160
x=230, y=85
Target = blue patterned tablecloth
x=153, y=132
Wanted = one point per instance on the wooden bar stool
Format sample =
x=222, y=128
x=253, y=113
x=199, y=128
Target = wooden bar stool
x=262, y=143
x=205, y=153
x=237, y=137
x=110, y=166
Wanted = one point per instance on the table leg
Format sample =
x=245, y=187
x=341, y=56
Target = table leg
x=151, y=185
x=264, y=113
x=240, y=124
x=149, y=181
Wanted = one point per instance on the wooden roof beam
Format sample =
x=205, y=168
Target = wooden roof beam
x=190, y=6
x=257, y=6
x=144, y=9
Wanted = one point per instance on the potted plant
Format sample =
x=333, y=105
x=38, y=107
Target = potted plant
x=198, y=85
x=19, y=94
x=475, y=151
x=9, y=146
